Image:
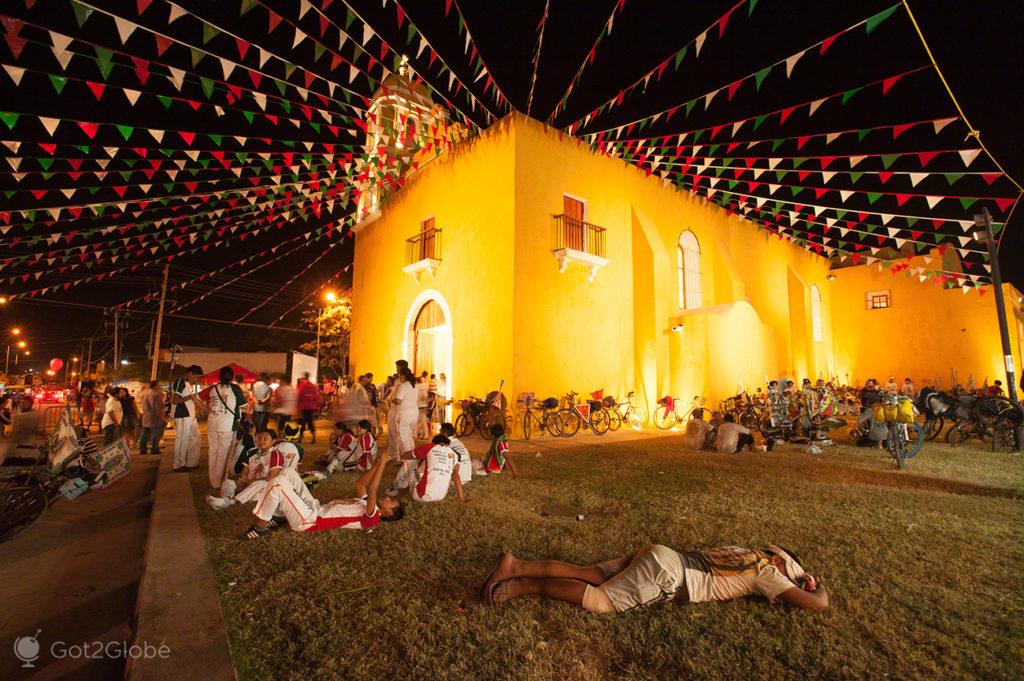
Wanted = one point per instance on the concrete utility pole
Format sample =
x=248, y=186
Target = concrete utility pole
x=117, y=325
x=159, y=326
x=984, y=233
x=88, y=361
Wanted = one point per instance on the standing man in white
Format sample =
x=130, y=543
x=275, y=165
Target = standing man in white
x=226, y=402
x=405, y=413
x=261, y=395
x=186, y=401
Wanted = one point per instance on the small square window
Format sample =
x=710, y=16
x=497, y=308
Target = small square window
x=878, y=300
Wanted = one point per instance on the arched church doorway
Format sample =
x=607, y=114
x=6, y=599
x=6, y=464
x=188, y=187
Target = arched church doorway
x=428, y=338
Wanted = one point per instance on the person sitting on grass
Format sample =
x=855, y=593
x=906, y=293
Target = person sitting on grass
x=656, y=574
x=287, y=496
x=697, y=430
x=497, y=454
x=462, y=457
x=429, y=470
x=732, y=437
x=261, y=464
x=352, y=449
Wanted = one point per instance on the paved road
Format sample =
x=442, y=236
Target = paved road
x=75, y=574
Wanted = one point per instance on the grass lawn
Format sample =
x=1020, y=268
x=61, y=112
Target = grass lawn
x=923, y=568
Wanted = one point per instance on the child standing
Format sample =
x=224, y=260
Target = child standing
x=497, y=455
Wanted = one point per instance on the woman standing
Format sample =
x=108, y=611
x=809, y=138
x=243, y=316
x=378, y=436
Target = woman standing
x=404, y=414
x=113, y=413
x=130, y=421
x=87, y=405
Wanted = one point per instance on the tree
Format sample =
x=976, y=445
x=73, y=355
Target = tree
x=335, y=320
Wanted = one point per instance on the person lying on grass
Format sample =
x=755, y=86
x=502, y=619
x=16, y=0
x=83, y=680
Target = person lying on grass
x=428, y=471
x=262, y=463
x=287, y=496
x=656, y=574
x=497, y=454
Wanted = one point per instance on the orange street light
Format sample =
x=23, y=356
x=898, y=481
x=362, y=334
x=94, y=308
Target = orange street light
x=22, y=344
x=3, y=300
x=331, y=297
x=16, y=331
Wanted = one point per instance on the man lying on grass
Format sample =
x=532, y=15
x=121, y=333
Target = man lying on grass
x=656, y=574
x=287, y=496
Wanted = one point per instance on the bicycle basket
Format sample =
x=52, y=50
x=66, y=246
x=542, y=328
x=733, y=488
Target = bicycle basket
x=608, y=401
x=549, y=403
x=595, y=405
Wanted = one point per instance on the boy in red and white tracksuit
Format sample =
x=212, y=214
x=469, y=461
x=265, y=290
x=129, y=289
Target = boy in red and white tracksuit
x=271, y=458
x=353, y=449
x=305, y=514
x=429, y=470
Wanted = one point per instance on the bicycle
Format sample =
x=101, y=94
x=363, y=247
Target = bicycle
x=634, y=415
x=547, y=420
x=572, y=416
x=899, y=444
x=666, y=416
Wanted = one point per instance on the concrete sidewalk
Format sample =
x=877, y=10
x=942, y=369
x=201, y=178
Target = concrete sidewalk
x=178, y=604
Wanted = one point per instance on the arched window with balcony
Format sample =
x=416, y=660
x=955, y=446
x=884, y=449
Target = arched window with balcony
x=688, y=271
x=816, y=314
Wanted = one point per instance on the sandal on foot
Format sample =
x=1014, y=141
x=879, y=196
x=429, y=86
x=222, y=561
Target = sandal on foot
x=498, y=593
x=255, y=532
x=484, y=591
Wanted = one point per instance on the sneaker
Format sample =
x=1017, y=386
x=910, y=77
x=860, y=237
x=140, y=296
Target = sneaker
x=332, y=467
x=217, y=503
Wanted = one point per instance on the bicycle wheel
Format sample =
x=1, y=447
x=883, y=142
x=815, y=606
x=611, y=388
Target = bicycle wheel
x=527, y=417
x=749, y=419
x=932, y=427
x=1004, y=435
x=614, y=419
x=961, y=432
x=599, y=421
x=20, y=507
x=915, y=439
x=640, y=413
x=463, y=425
x=568, y=423
x=663, y=418
x=550, y=424
x=634, y=419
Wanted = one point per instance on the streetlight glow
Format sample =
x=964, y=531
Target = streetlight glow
x=3, y=300
x=21, y=344
x=124, y=362
x=16, y=331
x=331, y=297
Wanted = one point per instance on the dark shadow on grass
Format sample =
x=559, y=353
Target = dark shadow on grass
x=896, y=479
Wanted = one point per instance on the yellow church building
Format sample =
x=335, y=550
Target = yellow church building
x=521, y=255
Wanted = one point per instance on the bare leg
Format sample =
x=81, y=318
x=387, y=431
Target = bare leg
x=568, y=590
x=510, y=567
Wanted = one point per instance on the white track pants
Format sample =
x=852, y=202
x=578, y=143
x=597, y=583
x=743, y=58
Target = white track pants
x=186, y=442
x=219, y=447
x=286, y=495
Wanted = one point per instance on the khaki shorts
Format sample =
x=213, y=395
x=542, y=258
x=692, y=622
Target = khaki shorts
x=652, y=576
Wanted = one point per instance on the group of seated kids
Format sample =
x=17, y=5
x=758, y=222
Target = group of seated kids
x=267, y=474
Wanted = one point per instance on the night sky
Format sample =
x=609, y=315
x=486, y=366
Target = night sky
x=976, y=44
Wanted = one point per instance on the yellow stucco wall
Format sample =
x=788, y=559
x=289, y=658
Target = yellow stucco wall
x=927, y=333
x=516, y=317
x=469, y=193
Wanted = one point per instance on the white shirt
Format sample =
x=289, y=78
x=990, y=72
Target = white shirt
x=112, y=412
x=284, y=455
x=261, y=391
x=729, y=436
x=406, y=392
x=437, y=463
x=462, y=458
x=187, y=390
x=223, y=408
x=442, y=388
x=422, y=389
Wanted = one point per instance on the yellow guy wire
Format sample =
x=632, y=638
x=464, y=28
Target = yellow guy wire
x=972, y=132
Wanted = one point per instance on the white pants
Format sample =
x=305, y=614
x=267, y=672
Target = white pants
x=405, y=426
x=408, y=475
x=186, y=442
x=286, y=495
x=219, y=447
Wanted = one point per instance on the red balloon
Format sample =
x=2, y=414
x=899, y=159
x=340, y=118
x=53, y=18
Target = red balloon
x=56, y=363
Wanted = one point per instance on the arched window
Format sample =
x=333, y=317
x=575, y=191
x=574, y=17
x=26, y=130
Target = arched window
x=816, y=313
x=688, y=270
